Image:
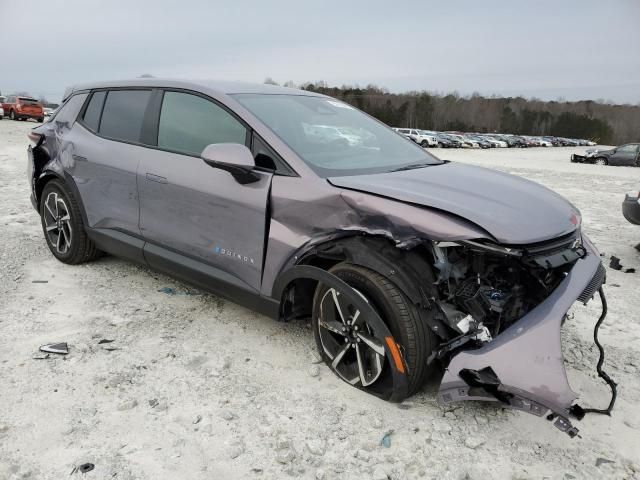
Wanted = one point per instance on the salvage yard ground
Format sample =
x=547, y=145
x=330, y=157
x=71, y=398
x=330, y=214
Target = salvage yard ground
x=194, y=387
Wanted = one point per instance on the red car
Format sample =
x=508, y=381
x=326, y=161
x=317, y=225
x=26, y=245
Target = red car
x=21, y=108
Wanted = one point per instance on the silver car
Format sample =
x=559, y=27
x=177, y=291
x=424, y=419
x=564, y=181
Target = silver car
x=404, y=263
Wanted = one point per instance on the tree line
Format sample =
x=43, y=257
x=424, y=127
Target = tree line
x=602, y=122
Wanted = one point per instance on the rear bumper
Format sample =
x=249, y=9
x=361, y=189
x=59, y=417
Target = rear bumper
x=631, y=209
x=523, y=367
x=29, y=114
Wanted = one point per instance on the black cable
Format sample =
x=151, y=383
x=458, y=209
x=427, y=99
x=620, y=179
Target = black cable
x=601, y=373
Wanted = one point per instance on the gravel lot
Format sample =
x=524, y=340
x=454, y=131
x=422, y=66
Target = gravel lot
x=194, y=387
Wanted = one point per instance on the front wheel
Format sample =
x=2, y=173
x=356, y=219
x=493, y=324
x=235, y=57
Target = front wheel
x=424, y=144
x=350, y=345
x=12, y=115
x=600, y=161
x=63, y=227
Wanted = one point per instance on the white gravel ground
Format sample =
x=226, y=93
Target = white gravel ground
x=194, y=387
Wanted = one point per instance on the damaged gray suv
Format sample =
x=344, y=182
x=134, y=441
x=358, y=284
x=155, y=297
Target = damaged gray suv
x=302, y=207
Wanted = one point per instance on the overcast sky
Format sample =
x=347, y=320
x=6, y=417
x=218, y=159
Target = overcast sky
x=575, y=49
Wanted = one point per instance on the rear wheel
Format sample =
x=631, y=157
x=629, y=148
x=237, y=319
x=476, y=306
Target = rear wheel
x=62, y=225
x=40, y=119
x=352, y=348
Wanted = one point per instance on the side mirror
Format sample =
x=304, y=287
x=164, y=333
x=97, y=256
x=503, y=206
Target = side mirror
x=234, y=158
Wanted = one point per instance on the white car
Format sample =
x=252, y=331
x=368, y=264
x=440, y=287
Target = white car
x=421, y=137
x=332, y=133
x=466, y=142
x=495, y=142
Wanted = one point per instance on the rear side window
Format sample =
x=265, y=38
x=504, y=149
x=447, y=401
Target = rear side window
x=94, y=109
x=68, y=112
x=123, y=114
x=188, y=123
x=28, y=101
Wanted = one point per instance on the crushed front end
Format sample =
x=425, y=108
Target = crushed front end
x=507, y=305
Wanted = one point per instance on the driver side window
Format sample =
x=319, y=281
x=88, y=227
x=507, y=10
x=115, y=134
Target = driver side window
x=628, y=149
x=188, y=123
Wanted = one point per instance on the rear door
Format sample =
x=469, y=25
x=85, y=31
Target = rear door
x=196, y=211
x=107, y=146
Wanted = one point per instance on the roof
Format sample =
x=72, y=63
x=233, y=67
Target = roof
x=220, y=87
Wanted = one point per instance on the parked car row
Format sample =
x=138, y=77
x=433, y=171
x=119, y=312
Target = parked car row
x=22, y=108
x=430, y=138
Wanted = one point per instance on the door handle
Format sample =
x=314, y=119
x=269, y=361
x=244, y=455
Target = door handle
x=156, y=178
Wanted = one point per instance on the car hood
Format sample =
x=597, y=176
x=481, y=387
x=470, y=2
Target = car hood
x=512, y=209
x=592, y=151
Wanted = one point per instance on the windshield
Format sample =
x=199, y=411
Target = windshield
x=332, y=137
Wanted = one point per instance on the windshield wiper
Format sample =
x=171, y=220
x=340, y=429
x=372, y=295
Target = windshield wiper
x=413, y=166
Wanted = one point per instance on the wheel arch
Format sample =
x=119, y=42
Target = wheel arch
x=409, y=269
x=65, y=178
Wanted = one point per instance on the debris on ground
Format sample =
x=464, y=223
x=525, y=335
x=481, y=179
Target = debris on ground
x=84, y=468
x=386, y=439
x=173, y=291
x=601, y=461
x=59, y=348
x=615, y=263
x=39, y=281
x=104, y=340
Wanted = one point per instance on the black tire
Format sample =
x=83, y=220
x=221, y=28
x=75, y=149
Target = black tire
x=12, y=115
x=41, y=119
x=71, y=245
x=424, y=144
x=600, y=161
x=415, y=338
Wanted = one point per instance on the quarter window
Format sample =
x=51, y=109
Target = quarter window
x=188, y=123
x=68, y=112
x=123, y=114
x=92, y=113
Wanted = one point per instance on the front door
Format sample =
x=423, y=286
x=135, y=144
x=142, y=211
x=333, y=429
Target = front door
x=196, y=211
x=625, y=155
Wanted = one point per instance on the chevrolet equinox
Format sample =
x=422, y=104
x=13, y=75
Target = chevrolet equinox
x=303, y=207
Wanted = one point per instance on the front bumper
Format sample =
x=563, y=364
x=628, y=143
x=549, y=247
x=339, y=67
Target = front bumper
x=523, y=367
x=631, y=208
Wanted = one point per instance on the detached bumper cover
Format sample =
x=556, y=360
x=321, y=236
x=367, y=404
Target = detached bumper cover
x=523, y=367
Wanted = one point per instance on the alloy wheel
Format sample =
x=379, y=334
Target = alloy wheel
x=600, y=161
x=57, y=222
x=355, y=353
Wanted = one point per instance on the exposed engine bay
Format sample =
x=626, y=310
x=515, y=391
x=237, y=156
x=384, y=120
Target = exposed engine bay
x=485, y=289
